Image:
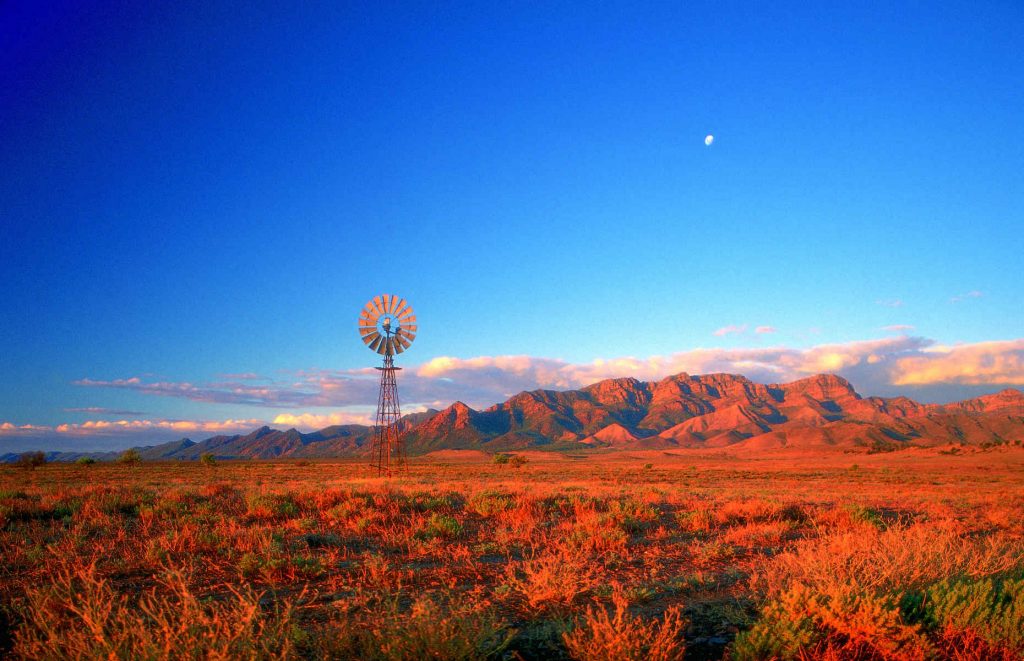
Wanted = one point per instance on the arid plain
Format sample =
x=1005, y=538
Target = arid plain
x=911, y=554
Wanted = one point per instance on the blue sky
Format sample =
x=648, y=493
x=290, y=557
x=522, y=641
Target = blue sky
x=202, y=191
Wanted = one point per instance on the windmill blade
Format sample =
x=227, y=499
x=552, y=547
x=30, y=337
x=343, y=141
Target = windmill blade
x=368, y=339
x=390, y=344
x=378, y=305
x=366, y=330
x=402, y=308
x=387, y=303
x=368, y=315
x=402, y=342
x=370, y=310
x=409, y=335
x=375, y=345
x=395, y=300
x=408, y=321
x=411, y=328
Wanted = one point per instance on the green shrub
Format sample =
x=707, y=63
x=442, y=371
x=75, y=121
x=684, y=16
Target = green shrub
x=489, y=503
x=440, y=525
x=207, y=459
x=85, y=461
x=129, y=457
x=989, y=611
x=502, y=458
x=868, y=515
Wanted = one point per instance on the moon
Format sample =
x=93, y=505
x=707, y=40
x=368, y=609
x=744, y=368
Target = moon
x=708, y=139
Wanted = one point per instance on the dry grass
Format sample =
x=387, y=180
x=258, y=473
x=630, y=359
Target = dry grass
x=614, y=557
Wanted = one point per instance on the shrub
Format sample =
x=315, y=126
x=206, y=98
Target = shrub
x=551, y=582
x=79, y=615
x=599, y=636
x=440, y=525
x=489, y=503
x=430, y=629
x=129, y=457
x=85, y=461
x=273, y=506
x=31, y=460
x=518, y=460
x=207, y=459
x=502, y=458
x=887, y=594
x=986, y=614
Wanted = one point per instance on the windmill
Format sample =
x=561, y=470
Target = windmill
x=388, y=326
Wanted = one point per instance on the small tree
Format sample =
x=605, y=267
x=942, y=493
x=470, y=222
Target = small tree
x=207, y=459
x=85, y=461
x=31, y=460
x=518, y=460
x=502, y=458
x=129, y=457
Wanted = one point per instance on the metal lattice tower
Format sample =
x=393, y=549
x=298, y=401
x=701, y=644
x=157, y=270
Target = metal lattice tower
x=387, y=449
x=388, y=326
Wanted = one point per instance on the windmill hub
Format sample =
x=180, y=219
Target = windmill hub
x=377, y=332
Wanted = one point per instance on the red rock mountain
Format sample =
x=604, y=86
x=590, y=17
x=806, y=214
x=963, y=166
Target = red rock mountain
x=719, y=410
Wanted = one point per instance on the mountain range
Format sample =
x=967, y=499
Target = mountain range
x=681, y=411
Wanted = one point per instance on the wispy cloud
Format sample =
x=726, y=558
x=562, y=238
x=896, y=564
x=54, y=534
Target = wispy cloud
x=98, y=427
x=898, y=328
x=99, y=410
x=890, y=303
x=959, y=298
x=765, y=330
x=275, y=394
x=113, y=427
x=731, y=330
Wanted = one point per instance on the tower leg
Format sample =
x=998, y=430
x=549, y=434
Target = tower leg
x=387, y=450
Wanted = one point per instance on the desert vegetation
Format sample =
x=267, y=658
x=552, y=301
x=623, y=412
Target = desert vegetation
x=643, y=555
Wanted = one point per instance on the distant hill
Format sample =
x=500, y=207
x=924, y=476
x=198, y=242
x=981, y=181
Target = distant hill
x=681, y=411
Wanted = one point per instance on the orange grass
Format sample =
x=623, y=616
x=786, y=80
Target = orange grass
x=617, y=556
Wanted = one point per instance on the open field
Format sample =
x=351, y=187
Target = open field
x=908, y=555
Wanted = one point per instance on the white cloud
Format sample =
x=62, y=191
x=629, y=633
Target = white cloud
x=313, y=421
x=982, y=363
x=731, y=330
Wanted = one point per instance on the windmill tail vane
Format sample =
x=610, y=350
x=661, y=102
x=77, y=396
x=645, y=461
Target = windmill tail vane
x=387, y=325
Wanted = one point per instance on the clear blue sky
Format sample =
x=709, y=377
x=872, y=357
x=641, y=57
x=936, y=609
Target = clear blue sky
x=207, y=188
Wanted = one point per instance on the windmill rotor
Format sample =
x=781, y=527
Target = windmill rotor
x=387, y=324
